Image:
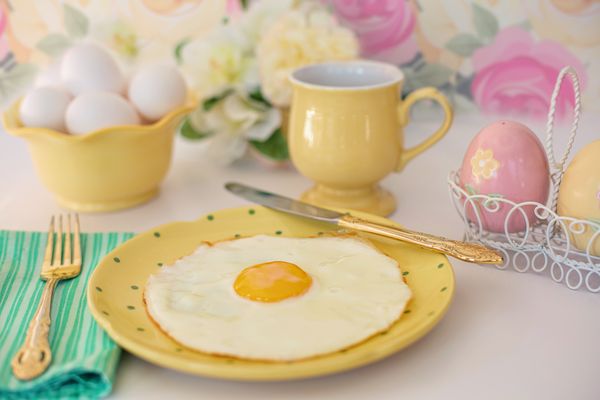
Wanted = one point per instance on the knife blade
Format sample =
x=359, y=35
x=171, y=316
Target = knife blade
x=282, y=203
x=466, y=251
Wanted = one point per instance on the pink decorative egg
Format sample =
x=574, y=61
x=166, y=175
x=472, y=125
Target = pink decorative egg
x=505, y=160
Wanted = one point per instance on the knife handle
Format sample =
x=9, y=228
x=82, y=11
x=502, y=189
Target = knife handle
x=469, y=252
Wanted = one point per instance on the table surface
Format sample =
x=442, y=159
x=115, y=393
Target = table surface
x=506, y=335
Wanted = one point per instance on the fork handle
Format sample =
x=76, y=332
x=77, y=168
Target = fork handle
x=34, y=356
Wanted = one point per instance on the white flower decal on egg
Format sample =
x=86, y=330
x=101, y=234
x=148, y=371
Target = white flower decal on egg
x=483, y=164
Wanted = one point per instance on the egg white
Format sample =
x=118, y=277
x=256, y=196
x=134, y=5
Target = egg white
x=356, y=292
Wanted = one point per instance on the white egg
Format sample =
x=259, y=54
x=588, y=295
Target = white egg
x=96, y=110
x=156, y=90
x=49, y=76
x=44, y=107
x=87, y=67
x=276, y=298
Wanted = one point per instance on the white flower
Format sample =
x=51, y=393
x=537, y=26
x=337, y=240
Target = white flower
x=302, y=36
x=118, y=36
x=220, y=61
x=232, y=122
x=261, y=15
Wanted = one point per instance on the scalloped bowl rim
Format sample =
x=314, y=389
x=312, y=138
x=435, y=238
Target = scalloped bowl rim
x=11, y=113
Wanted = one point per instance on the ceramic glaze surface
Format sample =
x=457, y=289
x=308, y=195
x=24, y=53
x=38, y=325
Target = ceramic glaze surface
x=116, y=300
x=579, y=195
x=506, y=160
x=104, y=170
x=346, y=131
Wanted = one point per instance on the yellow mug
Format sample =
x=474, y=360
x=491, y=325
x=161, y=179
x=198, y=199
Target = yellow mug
x=345, y=131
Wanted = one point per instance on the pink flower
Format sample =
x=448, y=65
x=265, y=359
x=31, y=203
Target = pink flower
x=516, y=75
x=384, y=27
x=3, y=43
x=234, y=9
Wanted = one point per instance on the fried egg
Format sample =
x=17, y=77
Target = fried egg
x=276, y=298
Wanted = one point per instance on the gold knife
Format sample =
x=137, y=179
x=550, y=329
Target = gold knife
x=470, y=252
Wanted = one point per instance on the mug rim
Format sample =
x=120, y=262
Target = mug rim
x=396, y=75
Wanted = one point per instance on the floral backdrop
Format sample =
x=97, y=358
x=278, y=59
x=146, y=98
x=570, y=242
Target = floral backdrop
x=498, y=56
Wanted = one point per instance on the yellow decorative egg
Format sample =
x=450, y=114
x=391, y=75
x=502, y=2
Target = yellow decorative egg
x=579, y=196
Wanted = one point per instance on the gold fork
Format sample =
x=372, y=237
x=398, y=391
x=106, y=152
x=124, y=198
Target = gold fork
x=34, y=356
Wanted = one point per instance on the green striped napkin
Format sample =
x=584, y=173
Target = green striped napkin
x=84, y=357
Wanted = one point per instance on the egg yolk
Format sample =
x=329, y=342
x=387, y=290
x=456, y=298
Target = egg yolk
x=272, y=281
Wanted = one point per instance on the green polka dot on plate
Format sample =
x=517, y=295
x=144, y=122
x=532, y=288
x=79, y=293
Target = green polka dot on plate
x=251, y=211
x=157, y=234
x=210, y=217
x=135, y=287
x=278, y=232
x=117, y=259
x=130, y=307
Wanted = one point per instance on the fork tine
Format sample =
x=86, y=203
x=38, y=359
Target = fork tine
x=76, y=243
x=49, y=243
x=58, y=244
x=67, y=257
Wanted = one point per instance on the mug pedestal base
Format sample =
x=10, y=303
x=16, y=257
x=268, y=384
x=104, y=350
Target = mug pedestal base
x=373, y=199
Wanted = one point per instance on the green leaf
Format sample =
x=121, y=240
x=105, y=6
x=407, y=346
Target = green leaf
x=485, y=22
x=244, y=4
x=179, y=50
x=15, y=80
x=257, y=96
x=410, y=84
x=275, y=147
x=463, y=103
x=431, y=75
x=188, y=131
x=493, y=199
x=470, y=189
x=209, y=103
x=54, y=44
x=464, y=44
x=526, y=25
x=76, y=22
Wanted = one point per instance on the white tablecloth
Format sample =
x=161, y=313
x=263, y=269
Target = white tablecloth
x=506, y=335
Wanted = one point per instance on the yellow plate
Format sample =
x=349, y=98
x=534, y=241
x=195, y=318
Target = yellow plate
x=116, y=286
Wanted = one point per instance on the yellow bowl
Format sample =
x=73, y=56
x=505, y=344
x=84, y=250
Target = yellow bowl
x=104, y=170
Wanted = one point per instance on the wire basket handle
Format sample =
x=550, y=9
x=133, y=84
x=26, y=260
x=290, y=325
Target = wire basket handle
x=558, y=168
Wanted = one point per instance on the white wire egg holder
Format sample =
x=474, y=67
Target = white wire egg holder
x=544, y=247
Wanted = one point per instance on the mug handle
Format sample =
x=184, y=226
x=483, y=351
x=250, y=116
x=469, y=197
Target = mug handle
x=430, y=93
